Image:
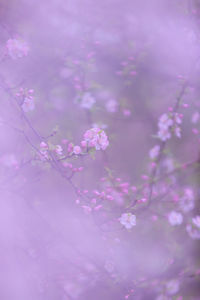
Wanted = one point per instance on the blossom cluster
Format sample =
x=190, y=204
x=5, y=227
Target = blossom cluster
x=186, y=202
x=96, y=138
x=168, y=123
x=154, y=152
x=93, y=138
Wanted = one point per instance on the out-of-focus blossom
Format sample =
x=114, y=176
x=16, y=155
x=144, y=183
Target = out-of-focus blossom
x=17, y=48
x=128, y=220
x=177, y=118
x=153, y=153
x=172, y=287
x=59, y=149
x=43, y=151
x=177, y=132
x=164, y=124
x=164, y=134
x=43, y=145
x=187, y=201
x=168, y=164
x=177, y=122
x=196, y=221
x=193, y=232
x=175, y=218
x=97, y=138
x=87, y=101
x=27, y=98
x=70, y=147
x=28, y=104
x=111, y=105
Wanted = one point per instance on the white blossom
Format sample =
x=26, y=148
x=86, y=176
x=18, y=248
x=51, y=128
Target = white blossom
x=128, y=220
x=175, y=218
x=172, y=287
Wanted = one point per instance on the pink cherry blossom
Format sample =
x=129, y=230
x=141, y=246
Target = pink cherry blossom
x=97, y=138
x=164, y=124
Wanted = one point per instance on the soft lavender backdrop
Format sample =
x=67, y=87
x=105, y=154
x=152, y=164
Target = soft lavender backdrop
x=114, y=223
